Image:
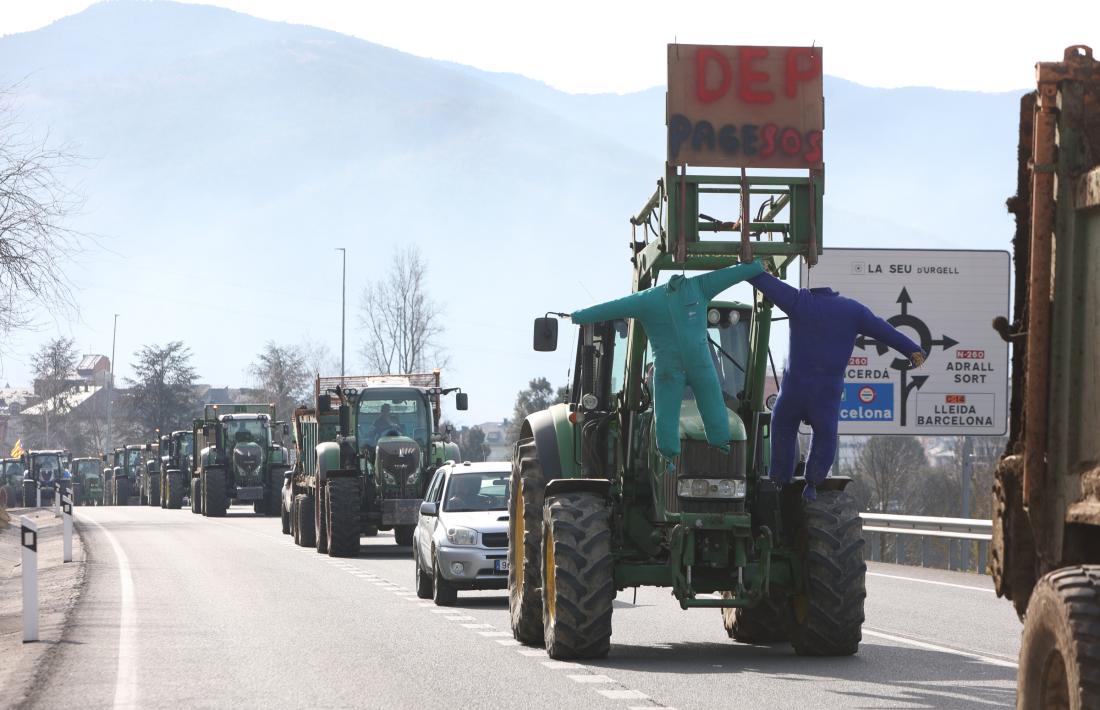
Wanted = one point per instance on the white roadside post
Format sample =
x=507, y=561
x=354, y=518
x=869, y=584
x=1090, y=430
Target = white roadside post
x=38, y=494
x=67, y=527
x=57, y=499
x=29, y=542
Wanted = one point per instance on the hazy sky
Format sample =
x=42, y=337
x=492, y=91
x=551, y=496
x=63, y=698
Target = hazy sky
x=610, y=46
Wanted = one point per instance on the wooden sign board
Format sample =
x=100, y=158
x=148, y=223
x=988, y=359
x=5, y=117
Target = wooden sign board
x=753, y=107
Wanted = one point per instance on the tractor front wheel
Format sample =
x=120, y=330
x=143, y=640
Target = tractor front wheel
x=1060, y=649
x=525, y=545
x=213, y=493
x=828, y=612
x=174, y=494
x=306, y=529
x=342, y=509
x=320, y=520
x=578, y=576
x=403, y=534
x=122, y=491
x=196, y=496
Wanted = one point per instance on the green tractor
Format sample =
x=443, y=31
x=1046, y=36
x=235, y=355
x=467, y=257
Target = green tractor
x=127, y=464
x=11, y=481
x=594, y=508
x=175, y=468
x=366, y=453
x=235, y=458
x=87, y=481
x=149, y=475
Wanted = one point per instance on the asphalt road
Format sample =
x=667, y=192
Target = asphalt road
x=182, y=611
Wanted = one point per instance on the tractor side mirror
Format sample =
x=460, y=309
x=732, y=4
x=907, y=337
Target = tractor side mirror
x=462, y=401
x=546, y=335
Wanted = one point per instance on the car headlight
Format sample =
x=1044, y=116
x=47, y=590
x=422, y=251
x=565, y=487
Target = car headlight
x=462, y=536
x=710, y=488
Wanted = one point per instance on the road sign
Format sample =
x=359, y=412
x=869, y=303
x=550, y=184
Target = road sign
x=945, y=300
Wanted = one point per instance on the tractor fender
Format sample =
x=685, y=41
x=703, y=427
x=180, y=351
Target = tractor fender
x=599, y=486
x=328, y=459
x=553, y=434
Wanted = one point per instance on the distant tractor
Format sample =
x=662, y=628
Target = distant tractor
x=175, y=468
x=1045, y=553
x=11, y=480
x=236, y=459
x=128, y=462
x=149, y=476
x=366, y=453
x=41, y=473
x=87, y=481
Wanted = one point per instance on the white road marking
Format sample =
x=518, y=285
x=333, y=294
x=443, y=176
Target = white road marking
x=507, y=642
x=929, y=581
x=126, y=681
x=494, y=634
x=623, y=694
x=589, y=678
x=561, y=665
x=942, y=649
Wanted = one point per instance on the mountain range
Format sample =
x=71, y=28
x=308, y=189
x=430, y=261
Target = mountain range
x=226, y=157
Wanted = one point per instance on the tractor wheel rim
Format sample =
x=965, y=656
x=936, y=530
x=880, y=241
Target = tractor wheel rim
x=517, y=538
x=549, y=578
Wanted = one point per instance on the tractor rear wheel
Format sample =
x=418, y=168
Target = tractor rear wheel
x=306, y=529
x=154, y=491
x=320, y=521
x=213, y=493
x=403, y=534
x=767, y=622
x=828, y=612
x=294, y=517
x=196, y=496
x=342, y=508
x=578, y=576
x=1012, y=549
x=1060, y=649
x=525, y=545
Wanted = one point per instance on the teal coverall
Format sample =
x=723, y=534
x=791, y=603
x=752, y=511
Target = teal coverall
x=675, y=319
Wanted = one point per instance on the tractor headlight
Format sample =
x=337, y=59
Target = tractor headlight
x=462, y=536
x=711, y=488
x=411, y=480
x=388, y=478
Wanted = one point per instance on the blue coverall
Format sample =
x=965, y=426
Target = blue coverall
x=675, y=319
x=823, y=326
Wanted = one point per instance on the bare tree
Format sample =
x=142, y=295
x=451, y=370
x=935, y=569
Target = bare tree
x=53, y=366
x=539, y=395
x=281, y=372
x=889, y=467
x=319, y=358
x=34, y=205
x=403, y=326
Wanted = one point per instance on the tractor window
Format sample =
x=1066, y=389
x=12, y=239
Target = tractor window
x=133, y=459
x=241, y=430
x=730, y=352
x=185, y=443
x=618, y=364
x=382, y=413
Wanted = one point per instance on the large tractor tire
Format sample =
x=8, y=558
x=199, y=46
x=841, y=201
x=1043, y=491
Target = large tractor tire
x=767, y=622
x=306, y=530
x=154, y=491
x=78, y=494
x=403, y=534
x=342, y=509
x=30, y=494
x=196, y=496
x=828, y=612
x=294, y=517
x=122, y=491
x=525, y=545
x=284, y=519
x=578, y=576
x=1060, y=649
x=213, y=493
x=173, y=497
x=1012, y=549
x=320, y=521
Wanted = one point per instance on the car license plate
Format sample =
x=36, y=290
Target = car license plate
x=500, y=565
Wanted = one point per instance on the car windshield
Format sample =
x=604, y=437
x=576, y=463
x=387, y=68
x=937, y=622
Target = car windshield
x=239, y=430
x=469, y=492
x=383, y=414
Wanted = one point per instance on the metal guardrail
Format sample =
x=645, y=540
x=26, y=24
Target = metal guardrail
x=958, y=536
x=926, y=526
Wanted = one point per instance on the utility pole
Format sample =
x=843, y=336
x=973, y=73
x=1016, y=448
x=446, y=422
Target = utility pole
x=343, y=304
x=111, y=384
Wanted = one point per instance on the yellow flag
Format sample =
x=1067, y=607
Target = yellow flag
x=17, y=450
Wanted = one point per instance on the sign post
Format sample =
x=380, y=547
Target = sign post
x=67, y=527
x=29, y=543
x=945, y=300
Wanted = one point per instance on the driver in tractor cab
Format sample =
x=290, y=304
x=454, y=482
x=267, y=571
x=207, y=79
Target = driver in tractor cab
x=385, y=424
x=241, y=433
